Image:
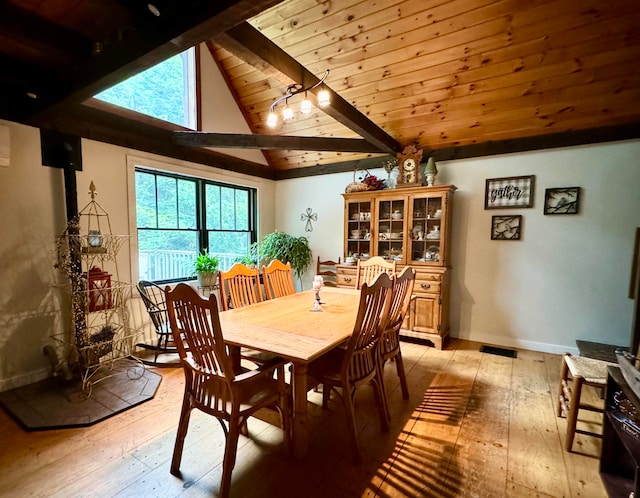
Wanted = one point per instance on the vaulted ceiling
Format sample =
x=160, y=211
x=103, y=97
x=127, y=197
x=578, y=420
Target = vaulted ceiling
x=457, y=78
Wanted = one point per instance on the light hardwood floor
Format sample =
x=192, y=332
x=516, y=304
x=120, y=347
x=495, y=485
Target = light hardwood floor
x=476, y=425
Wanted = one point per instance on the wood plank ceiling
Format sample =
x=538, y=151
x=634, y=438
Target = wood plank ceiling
x=445, y=74
x=457, y=78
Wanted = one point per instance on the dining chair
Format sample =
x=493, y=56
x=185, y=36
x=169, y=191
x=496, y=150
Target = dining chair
x=327, y=269
x=278, y=279
x=358, y=363
x=240, y=286
x=390, y=341
x=154, y=300
x=212, y=385
x=369, y=269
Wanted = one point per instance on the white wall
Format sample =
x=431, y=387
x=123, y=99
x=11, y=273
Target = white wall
x=566, y=279
x=33, y=213
x=224, y=115
x=321, y=194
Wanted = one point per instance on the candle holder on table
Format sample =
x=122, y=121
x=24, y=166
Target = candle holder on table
x=318, y=283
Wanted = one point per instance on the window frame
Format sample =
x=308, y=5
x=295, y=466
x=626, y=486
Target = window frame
x=201, y=216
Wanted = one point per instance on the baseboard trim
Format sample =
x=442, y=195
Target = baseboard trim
x=509, y=342
x=24, y=379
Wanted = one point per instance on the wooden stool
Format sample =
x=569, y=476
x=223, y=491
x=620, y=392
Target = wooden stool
x=579, y=371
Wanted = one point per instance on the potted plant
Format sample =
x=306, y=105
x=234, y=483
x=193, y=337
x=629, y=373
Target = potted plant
x=288, y=249
x=247, y=260
x=206, y=269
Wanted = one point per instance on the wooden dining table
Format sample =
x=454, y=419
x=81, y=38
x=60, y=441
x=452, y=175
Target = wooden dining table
x=290, y=328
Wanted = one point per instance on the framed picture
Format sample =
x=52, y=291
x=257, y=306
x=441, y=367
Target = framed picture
x=506, y=227
x=510, y=192
x=563, y=200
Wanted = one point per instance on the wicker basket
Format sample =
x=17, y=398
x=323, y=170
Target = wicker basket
x=355, y=186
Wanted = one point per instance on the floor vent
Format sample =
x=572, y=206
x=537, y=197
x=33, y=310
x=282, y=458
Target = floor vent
x=510, y=353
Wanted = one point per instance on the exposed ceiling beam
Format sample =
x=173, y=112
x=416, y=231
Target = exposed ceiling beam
x=274, y=142
x=253, y=47
x=539, y=142
x=151, y=135
x=333, y=168
x=188, y=24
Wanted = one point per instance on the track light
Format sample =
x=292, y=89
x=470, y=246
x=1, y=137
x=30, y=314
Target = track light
x=287, y=113
x=323, y=96
x=305, y=105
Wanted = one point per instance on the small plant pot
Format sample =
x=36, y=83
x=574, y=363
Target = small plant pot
x=207, y=279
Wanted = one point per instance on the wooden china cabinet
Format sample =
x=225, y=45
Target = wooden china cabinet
x=411, y=226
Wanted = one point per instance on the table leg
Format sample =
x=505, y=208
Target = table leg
x=300, y=427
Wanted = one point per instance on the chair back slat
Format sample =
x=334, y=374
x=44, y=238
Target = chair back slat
x=373, y=314
x=400, y=301
x=328, y=270
x=278, y=279
x=240, y=286
x=369, y=269
x=401, y=297
x=197, y=333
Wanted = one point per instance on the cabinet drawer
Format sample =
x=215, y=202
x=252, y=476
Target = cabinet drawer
x=346, y=280
x=426, y=287
x=424, y=276
x=427, y=282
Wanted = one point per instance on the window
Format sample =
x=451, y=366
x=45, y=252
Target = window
x=179, y=216
x=165, y=91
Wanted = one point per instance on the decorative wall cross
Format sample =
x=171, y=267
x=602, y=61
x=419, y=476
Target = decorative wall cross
x=308, y=216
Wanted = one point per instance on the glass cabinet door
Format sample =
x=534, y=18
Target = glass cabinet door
x=424, y=235
x=391, y=229
x=358, y=233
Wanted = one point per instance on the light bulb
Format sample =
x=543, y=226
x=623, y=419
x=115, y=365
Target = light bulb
x=305, y=106
x=272, y=120
x=287, y=113
x=323, y=98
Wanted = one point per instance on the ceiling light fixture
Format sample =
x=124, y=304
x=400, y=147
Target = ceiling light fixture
x=323, y=96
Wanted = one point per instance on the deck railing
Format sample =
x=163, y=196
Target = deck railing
x=166, y=265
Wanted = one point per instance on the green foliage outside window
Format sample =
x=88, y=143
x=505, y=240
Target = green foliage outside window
x=170, y=234
x=161, y=91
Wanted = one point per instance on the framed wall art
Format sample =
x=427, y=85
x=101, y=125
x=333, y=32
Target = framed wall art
x=510, y=192
x=506, y=227
x=562, y=200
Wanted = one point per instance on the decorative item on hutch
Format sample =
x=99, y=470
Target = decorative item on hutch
x=409, y=167
x=389, y=165
x=355, y=185
x=368, y=182
x=431, y=172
